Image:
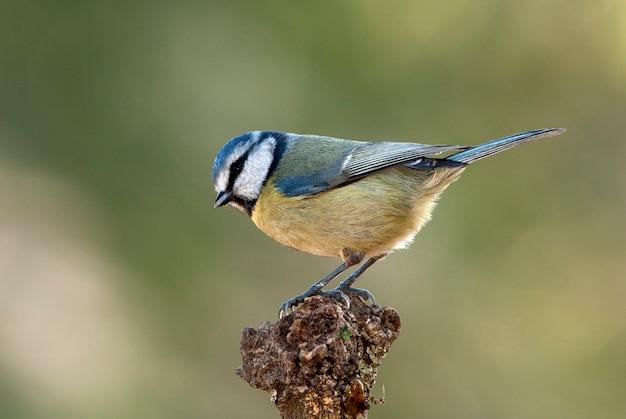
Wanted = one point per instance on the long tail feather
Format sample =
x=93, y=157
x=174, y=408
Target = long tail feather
x=501, y=144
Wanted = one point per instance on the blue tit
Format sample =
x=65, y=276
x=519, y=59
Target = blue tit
x=357, y=201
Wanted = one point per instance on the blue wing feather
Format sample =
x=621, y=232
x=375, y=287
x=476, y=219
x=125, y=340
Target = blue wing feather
x=355, y=161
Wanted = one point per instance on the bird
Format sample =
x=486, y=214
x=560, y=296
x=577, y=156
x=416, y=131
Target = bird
x=353, y=200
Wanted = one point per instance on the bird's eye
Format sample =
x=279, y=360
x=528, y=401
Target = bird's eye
x=236, y=168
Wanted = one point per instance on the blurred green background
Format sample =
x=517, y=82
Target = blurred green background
x=123, y=293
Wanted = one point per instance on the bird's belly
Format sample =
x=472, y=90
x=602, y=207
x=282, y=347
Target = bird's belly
x=374, y=216
x=329, y=233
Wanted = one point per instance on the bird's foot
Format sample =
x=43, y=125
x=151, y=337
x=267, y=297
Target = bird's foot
x=290, y=305
x=340, y=293
x=362, y=293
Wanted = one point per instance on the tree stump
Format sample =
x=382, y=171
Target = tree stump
x=321, y=361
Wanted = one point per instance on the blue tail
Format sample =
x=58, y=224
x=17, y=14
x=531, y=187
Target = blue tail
x=501, y=144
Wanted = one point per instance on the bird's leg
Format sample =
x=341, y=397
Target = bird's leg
x=315, y=289
x=346, y=284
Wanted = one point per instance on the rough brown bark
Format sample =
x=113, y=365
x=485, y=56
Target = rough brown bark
x=321, y=361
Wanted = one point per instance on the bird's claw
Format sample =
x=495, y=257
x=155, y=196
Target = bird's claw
x=289, y=306
x=362, y=293
x=340, y=294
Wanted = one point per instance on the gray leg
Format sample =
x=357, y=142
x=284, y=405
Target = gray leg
x=315, y=289
x=346, y=284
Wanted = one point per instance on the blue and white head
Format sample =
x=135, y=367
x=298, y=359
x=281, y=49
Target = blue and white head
x=243, y=165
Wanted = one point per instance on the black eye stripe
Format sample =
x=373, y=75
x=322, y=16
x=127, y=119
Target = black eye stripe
x=235, y=170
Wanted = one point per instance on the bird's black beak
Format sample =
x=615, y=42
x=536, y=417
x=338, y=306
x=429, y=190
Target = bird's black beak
x=223, y=198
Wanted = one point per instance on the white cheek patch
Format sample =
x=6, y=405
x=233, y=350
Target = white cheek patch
x=221, y=181
x=255, y=170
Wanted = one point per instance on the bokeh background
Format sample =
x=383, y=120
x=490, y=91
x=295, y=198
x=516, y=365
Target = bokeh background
x=123, y=292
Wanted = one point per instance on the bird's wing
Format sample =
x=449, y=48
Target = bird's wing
x=372, y=157
x=357, y=162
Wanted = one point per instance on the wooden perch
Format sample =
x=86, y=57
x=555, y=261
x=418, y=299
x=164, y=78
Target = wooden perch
x=321, y=361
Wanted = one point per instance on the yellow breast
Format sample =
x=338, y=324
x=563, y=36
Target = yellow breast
x=374, y=215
